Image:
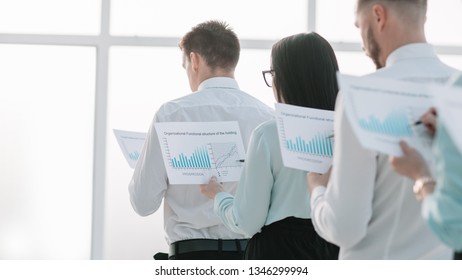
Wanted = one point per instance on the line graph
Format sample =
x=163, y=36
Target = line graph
x=225, y=155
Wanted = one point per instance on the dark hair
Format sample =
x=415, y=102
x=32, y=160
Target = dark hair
x=305, y=69
x=215, y=41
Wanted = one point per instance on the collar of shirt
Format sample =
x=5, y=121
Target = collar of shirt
x=219, y=82
x=411, y=51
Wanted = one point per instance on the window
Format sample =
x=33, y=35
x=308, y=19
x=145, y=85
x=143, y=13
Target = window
x=47, y=112
x=256, y=19
x=58, y=146
x=80, y=17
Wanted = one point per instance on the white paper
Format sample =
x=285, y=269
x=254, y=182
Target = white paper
x=382, y=112
x=305, y=137
x=195, y=151
x=131, y=144
x=449, y=105
x=455, y=80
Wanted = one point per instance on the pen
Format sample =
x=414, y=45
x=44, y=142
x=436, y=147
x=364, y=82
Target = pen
x=432, y=111
x=240, y=160
x=330, y=136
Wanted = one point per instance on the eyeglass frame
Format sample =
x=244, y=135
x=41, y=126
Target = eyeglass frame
x=271, y=72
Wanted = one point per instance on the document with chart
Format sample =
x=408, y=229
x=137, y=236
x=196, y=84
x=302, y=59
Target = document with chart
x=131, y=144
x=193, y=152
x=382, y=112
x=449, y=106
x=305, y=137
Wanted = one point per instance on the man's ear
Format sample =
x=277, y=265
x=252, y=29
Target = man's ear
x=195, y=61
x=380, y=16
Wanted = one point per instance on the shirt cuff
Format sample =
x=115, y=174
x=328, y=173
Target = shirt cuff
x=219, y=198
x=318, y=193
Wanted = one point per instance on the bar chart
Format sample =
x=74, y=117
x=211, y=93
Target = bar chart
x=134, y=155
x=320, y=145
x=395, y=123
x=305, y=137
x=198, y=159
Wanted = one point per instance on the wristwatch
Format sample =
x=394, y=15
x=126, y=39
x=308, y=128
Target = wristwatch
x=423, y=185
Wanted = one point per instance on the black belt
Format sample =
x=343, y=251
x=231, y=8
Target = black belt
x=219, y=245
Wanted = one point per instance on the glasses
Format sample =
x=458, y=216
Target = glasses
x=268, y=77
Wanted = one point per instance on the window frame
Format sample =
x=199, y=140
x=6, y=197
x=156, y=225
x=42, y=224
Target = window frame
x=103, y=42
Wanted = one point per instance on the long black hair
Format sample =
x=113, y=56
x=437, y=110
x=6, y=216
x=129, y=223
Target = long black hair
x=305, y=69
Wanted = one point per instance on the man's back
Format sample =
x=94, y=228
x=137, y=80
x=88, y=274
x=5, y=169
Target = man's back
x=187, y=213
x=376, y=213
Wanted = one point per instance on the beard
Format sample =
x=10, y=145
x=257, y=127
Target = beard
x=373, y=50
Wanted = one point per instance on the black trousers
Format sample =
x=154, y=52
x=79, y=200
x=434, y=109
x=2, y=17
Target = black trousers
x=290, y=239
x=458, y=255
x=208, y=255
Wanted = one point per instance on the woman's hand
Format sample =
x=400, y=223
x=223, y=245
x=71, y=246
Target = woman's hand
x=315, y=179
x=211, y=189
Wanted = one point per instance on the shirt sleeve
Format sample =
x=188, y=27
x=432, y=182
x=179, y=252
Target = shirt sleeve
x=246, y=212
x=341, y=213
x=149, y=181
x=443, y=209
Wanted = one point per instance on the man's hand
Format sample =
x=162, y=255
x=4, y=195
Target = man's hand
x=211, y=189
x=429, y=120
x=316, y=179
x=411, y=164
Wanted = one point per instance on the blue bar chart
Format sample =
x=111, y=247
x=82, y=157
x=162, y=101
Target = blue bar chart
x=320, y=145
x=395, y=123
x=305, y=137
x=199, y=159
x=134, y=155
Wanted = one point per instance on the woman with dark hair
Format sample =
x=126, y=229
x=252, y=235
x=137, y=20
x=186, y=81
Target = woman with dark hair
x=272, y=203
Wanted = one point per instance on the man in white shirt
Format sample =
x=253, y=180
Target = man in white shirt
x=367, y=209
x=210, y=55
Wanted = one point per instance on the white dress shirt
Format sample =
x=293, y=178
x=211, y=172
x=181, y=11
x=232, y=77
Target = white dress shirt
x=367, y=209
x=268, y=192
x=187, y=213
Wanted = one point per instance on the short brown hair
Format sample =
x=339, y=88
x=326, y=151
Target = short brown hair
x=215, y=41
x=411, y=12
x=417, y=3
